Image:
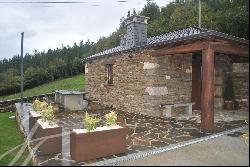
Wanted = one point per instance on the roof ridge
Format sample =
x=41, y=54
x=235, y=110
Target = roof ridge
x=172, y=36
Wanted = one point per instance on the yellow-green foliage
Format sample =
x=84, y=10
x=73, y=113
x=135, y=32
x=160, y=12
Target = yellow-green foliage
x=35, y=105
x=48, y=115
x=111, y=118
x=90, y=123
x=245, y=136
x=39, y=105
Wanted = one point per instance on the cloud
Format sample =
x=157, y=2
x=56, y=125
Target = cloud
x=48, y=25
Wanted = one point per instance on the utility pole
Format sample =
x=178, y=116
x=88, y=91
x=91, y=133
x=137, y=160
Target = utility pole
x=199, y=13
x=22, y=35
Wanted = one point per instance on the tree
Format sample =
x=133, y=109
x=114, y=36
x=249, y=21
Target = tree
x=134, y=12
x=235, y=21
x=151, y=10
x=128, y=15
x=187, y=16
x=10, y=83
x=35, y=76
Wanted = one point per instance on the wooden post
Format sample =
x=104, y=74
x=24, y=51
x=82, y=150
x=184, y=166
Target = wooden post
x=21, y=88
x=196, y=85
x=207, y=97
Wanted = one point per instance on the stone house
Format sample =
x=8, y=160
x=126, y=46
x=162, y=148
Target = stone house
x=143, y=73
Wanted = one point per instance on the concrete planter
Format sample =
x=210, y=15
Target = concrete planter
x=33, y=117
x=51, y=145
x=102, y=142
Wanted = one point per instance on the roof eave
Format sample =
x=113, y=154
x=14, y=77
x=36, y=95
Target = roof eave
x=202, y=35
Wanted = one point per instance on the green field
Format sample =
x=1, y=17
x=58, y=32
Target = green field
x=73, y=83
x=10, y=137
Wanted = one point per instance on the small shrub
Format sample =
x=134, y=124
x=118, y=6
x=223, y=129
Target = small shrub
x=35, y=105
x=111, y=118
x=90, y=123
x=38, y=106
x=245, y=136
x=48, y=115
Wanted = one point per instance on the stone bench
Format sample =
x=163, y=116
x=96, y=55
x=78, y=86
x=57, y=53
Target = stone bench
x=169, y=107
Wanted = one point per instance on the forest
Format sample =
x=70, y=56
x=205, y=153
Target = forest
x=228, y=16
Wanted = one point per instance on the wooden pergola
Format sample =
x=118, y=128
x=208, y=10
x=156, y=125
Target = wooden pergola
x=237, y=48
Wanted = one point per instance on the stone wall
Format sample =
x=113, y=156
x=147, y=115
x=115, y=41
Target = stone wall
x=222, y=67
x=143, y=82
x=140, y=83
x=240, y=78
x=8, y=105
x=241, y=84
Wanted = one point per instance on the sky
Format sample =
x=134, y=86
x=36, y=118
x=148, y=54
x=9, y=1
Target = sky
x=49, y=25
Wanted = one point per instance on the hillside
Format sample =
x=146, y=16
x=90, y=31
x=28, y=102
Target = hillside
x=42, y=67
x=73, y=83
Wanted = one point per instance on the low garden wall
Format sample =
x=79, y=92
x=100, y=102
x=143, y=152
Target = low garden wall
x=9, y=105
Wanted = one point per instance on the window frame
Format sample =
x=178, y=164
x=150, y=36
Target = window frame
x=109, y=74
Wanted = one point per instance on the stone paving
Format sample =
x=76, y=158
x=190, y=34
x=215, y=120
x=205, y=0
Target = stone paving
x=145, y=132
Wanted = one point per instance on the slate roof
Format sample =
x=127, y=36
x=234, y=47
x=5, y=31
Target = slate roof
x=171, y=37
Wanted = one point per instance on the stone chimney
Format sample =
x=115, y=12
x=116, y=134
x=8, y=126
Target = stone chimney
x=136, y=32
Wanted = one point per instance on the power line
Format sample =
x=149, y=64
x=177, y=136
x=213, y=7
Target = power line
x=41, y=2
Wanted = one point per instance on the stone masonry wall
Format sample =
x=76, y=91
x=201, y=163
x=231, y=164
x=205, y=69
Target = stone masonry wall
x=241, y=84
x=222, y=67
x=140, y=83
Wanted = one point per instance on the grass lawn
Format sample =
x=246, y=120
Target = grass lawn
x=10, y=137
x=73, y=83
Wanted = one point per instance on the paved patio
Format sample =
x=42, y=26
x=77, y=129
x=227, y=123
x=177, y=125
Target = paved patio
x=226, y=150
x=145, y=132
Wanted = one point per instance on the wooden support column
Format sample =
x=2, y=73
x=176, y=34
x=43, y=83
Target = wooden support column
x=207, y=97
x=196, y=86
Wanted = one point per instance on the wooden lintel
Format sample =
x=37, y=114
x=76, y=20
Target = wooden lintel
x=182, y=49
x=230, y=49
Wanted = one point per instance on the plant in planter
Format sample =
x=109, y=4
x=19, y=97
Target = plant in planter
x=38, y=106
x=47, y=127
x=111, y=118
x=35, y=113
x=102, y=141
x=229, y=94
x=90, y=123
x=48, y=115
x=35, y=105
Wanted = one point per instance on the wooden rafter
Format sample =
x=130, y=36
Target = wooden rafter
x=230, y=49
x=182, y=49
x=218, y=47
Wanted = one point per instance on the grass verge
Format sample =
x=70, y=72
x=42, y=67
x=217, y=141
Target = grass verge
x=10, y=137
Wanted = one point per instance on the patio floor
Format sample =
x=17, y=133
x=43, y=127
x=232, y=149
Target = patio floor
x=145, y=132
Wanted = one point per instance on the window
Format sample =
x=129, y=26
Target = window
x=109, y=68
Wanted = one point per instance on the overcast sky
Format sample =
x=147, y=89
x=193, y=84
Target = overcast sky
x=49, y=25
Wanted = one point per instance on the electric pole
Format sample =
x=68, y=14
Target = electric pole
x=22, y=35
x=199, y=13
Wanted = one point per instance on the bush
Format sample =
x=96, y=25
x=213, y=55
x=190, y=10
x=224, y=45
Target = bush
x=90, y=123
x=48, y=115
x=38, y=106
x=35, y=105
x=111, y=118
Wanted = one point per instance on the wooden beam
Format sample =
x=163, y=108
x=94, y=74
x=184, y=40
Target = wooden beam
x=230, y=49
x=207, y=97
x=182, y=49
x=196, y=86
